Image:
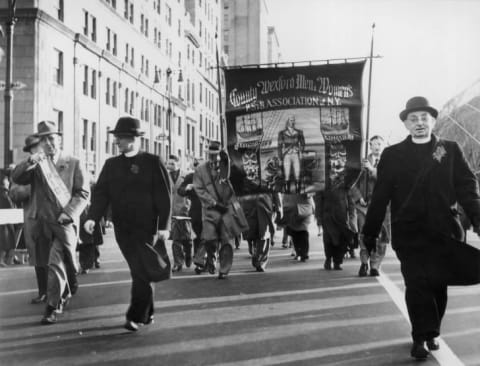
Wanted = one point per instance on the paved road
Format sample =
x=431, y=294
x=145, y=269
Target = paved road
x=294, y=314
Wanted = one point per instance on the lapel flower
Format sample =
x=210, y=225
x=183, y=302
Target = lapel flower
x=439, y=153
x=134, y=169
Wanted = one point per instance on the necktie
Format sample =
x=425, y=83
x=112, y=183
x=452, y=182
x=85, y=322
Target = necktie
x=375, y=163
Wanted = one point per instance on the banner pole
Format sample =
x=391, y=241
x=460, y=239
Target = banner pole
x=367, y=127
x=220, y=101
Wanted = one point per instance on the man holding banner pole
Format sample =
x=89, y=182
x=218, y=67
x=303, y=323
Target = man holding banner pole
x=59, y=193
x=424, y=178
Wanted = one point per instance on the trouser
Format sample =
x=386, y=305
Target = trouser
x=375, y=258
x=291, y=160
x=62, y=266
x=87, y=255
x=197, y=229
x=41, y=274
x=141, y=300
x=426, y=299
x=182, y=251
x=300, y=242
x=260, y=250
x=333, y=250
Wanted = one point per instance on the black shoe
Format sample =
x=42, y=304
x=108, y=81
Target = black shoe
x=188, y=262
x=177, y=268
x=374, y=272
x=97, y=264
x=260, y=269
x=337, y=267
x=351, y=253
x=432, y=344
x=221, y=276
x=39, y=299
x=50, y=316
x=150, y=320
x=363, y=271
x=419, y=351
x=84, y=271
x=74, y=288
x=198, y=270
x=131, y=325
x=327, y=265
x=211, y=268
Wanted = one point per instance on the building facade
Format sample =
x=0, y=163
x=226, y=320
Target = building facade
x=248, y=37
x=84, y=64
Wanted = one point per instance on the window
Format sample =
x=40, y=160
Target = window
x=142, y=63
x=85, y=23
x=131, y=13
x=93, y=137
x=60, y=10
x=94, y=29
x=132, y=102
x=146, y=27
x=85, y=134
x=132, y=57
x=114, y=94
x=142, y=20
x=179, y=126
x=107, y=91
x=142, y=113
x=93, y=87
x=58, y=72
x=168, y=15
x=59, y=117
x=114, y=49
x=146, y=113
x=85, y=80
x=193, y=140
x=188, y=137
x=125, y=12
x=127, y=52
x=89, y=20
x=108, y=45
x=201, y=122
x=107, y=141
x=146, y=67
x=127, y=93
x=200, y=87
x=179, y=27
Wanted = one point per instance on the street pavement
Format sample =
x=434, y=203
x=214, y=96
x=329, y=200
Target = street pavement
x=294, y=314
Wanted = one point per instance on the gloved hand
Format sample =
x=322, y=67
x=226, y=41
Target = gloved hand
x=220, y=208
x=370, y=243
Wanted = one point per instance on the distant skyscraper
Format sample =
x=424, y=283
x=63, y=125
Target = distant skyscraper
x=248, y=38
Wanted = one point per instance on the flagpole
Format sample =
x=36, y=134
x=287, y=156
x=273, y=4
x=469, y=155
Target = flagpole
x=367, y=129
x=220, y=102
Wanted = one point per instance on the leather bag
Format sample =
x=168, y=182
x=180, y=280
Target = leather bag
x=156, y=261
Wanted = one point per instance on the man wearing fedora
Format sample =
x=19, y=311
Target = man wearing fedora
x=423, y=178
x=137, y=188
x=59, y=193
x=38, y=248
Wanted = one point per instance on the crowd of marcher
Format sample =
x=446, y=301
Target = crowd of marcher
x=406, y=194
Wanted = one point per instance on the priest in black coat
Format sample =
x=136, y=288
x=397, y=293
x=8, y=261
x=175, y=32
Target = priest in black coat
x=424, y=178
x=137, y=187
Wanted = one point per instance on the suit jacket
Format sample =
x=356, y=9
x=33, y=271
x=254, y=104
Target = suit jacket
x=431, y=207
x=43, y=203
x=138, y=190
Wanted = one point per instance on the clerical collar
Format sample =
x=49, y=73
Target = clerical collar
x=423, y=140
x=131, y=154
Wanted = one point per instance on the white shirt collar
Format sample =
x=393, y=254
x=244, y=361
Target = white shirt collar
x=423, y=140
x=132, y=153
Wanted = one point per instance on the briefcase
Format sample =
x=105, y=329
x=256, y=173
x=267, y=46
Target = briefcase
x=156, y=261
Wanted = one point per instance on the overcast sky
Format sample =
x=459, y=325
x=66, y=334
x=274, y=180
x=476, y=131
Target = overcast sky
x=428, y=47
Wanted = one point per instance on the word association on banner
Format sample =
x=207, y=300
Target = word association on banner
x=329, y=94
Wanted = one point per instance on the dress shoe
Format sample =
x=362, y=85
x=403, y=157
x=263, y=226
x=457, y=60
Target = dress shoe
x=131, y=325
x=211, y=268
x=50, y=316
x=97, y=264
x=432, y=344
x=198, y=270
x=337, y=267
x=419, y=351
x=150, y=320
x=327, y=265
x=188, y=262
x=374, y=272
x=363, y=271
x=177, y=268
x=39, y=299
x=84, y=271
x=222, y=276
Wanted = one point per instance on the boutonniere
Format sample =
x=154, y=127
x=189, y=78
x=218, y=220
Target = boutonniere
x=223, y=180
x=62, y=167
x=439, y=153
x=134, y=169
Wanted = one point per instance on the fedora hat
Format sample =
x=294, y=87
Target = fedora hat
x=416, y=104
x=127, y=126
x=31, y=141
x=45, y=128
x=214, y=147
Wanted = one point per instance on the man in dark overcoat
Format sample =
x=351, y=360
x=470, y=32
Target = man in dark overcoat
x=136, y=186
x=423, y=178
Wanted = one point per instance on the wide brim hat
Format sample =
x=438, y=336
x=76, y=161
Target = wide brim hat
x=45, y=128
x=127, y=126
x=31, y=141
x=416, y=104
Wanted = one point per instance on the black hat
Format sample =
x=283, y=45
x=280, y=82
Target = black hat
x=416, y=104
x=46, y=128
x=127, y=126
x=214, y=147
x=31, y=141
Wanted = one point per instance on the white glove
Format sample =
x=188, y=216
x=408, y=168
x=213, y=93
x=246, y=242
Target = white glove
x=163, y=234
x=89, y=226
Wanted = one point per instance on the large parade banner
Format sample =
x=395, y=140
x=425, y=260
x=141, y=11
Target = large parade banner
x=294, y=129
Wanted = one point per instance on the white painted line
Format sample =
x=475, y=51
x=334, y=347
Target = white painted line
x=444, y=355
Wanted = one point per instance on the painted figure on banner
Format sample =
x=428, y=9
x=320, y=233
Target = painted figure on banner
x=60, y=192
x=291, y=144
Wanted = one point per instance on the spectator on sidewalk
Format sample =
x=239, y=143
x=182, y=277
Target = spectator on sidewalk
x=7, y=231
x=136, y=186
